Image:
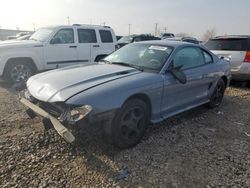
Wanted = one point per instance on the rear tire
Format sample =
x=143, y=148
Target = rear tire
x=129, y=124
x=18, y=72
x=218, y=94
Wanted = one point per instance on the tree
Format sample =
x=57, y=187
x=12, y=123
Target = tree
x=210, y=33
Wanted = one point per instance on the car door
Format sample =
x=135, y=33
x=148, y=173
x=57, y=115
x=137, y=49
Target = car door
x=178, y=97
x=61, y=50
x=86, y=41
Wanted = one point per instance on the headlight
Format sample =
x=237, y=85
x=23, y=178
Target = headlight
x=76, y=114
x=79, y=113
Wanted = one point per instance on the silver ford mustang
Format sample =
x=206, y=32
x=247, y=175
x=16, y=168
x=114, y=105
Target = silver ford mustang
x=140, y=83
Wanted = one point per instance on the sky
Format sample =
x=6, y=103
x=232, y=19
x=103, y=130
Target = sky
x=177, y=16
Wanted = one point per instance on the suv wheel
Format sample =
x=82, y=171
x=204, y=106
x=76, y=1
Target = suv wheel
x=129, y=124
x=18, y=72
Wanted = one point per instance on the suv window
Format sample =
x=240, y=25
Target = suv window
x=189, y=57
x=230, y=44
x=64, y=36
x=86, y=36
x=106, y=36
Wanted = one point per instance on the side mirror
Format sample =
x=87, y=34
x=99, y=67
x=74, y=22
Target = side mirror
x=55, y=41
x=178, y=74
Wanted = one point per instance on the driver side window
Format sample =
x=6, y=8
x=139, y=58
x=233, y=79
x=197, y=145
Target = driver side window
x=63, y=36
x=188, y=57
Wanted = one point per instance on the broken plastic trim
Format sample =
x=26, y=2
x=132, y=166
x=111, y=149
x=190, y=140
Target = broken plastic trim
x=62, y=130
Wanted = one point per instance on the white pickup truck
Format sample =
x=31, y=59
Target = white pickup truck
x=55, y=47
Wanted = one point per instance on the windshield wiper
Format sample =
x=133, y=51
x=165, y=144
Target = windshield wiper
x=128, y=65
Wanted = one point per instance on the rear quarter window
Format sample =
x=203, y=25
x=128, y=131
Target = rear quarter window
x=235, y=44
x=106, y=36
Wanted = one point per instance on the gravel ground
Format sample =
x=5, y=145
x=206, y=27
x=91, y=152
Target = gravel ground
x=199, y=148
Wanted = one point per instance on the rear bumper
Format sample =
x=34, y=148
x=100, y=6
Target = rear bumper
x=242, y=73
x=241, y=77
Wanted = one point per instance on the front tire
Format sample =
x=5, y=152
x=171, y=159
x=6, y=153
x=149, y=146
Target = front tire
x=18, y=72
x=130, y=123
x=218, y=94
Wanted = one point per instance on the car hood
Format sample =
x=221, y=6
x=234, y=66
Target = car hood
x=19, y=44
x=60, y=84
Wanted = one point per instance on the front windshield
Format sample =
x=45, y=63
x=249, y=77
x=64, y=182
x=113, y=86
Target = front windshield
x=144, y=56
x=42, y=34
x=126, y=39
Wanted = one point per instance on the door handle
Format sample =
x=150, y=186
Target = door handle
x=72, y=46
x=96, y=46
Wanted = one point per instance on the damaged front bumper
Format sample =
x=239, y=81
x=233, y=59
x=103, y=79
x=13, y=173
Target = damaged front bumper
x=69, y=116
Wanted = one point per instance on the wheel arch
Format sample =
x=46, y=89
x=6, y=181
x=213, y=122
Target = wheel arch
x=28, y=60
x=224, y=78
x=99, y=57
x=145, y=98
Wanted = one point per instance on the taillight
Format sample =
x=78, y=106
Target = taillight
x=247, y=57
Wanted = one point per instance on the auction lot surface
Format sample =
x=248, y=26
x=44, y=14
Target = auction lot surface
x=200, y=148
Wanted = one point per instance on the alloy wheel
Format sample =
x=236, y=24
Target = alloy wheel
x=20, y=73
x=132, y=123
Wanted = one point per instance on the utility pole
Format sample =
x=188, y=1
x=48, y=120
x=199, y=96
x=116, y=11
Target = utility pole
x=165, y=29
x=68, y=20
x=34, y=26
x=104, y=23
x=129, y=25
x=156, y=25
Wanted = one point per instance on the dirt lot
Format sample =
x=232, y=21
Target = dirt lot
x=200, y=148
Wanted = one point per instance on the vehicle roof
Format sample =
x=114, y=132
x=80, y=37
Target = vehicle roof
x=173, y=43
x=136, y=35
x=77, y=26
x=232, y=36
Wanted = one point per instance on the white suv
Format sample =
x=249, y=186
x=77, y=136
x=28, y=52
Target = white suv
x=235, y=48
x=55, y=47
